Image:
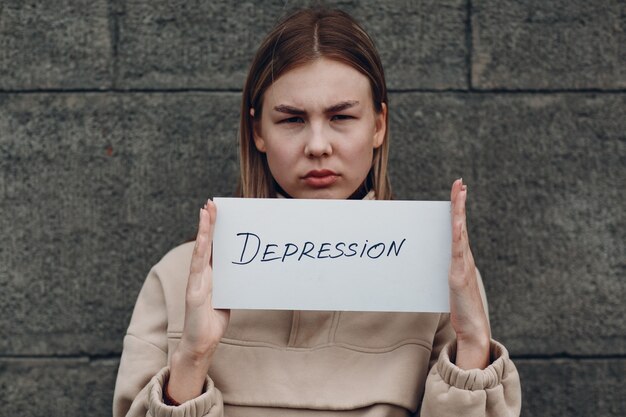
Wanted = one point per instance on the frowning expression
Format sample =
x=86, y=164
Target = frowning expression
x=319, y=130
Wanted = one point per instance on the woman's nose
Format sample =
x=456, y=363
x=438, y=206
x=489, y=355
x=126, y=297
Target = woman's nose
x=317, y=143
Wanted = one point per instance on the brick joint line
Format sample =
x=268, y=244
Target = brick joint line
x=237, y=91
x=565, y=355
x=118, y=91
x=117, y=355
x=69, y=357
x=114, y=35
x=469, y=43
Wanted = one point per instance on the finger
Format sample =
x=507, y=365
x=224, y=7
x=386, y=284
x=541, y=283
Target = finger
x=460, y=213
x=457, y=242
x=212, y=213
x=463, y=218
x=462, y=267
x=207, y=275
x=458, y=205
x=464, y=245
x=458, y=220
x=465, y=242
x=456, y=187
x=200, y=249
x=460, y=243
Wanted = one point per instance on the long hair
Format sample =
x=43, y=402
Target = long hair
x=299, y=38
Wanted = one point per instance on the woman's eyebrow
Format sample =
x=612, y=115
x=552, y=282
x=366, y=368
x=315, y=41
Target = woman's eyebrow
x=283, y=108
x=343, y=105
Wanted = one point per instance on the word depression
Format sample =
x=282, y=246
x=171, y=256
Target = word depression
x=252, y=245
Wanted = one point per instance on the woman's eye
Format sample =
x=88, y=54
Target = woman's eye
x=341, y=117
x=293, y=120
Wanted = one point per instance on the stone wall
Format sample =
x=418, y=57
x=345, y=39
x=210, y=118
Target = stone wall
x=118, y=118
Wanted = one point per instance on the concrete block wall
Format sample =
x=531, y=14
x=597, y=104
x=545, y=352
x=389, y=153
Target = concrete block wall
x=119, y=117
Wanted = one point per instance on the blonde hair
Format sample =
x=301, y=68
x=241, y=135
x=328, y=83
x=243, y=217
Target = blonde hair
x=300, y=38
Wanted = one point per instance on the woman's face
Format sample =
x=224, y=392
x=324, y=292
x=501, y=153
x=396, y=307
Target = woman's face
x=319, y=130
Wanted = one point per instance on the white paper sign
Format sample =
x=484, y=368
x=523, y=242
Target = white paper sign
x=351, y=255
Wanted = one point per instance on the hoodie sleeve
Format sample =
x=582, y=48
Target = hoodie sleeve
x=143, y=367
x=491, y=392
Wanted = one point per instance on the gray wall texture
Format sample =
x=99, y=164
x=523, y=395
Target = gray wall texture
x=118, y=118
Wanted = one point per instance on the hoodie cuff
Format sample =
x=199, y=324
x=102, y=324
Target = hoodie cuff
x=205, y=404
x=473, y=379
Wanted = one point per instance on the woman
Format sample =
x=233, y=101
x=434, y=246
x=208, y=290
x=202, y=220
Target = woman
x=313, y=125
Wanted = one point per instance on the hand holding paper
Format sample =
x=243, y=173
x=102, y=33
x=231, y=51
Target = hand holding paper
x=204, y=325
x=467, y=313
x=326, y=243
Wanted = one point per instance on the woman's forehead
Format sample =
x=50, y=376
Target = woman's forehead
x=322, y=83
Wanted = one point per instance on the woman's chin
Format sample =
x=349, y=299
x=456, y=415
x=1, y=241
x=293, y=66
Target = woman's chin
x=326, y=193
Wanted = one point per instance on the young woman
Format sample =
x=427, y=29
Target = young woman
x=313, y=125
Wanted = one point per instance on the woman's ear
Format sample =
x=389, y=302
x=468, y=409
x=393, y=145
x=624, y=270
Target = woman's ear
x=381, y=126
x=256, y=133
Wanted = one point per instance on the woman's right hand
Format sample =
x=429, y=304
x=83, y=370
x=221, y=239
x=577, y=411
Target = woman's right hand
x=204, y=325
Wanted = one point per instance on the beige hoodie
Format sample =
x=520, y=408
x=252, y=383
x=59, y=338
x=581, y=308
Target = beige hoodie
x=307, y=363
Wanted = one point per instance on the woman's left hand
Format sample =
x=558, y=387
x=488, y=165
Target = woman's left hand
x=467, y=312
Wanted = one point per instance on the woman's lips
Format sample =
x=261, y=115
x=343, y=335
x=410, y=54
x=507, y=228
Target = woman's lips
x=320, y=178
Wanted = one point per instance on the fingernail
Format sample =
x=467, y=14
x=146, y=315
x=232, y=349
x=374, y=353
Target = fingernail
x=464, y=188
